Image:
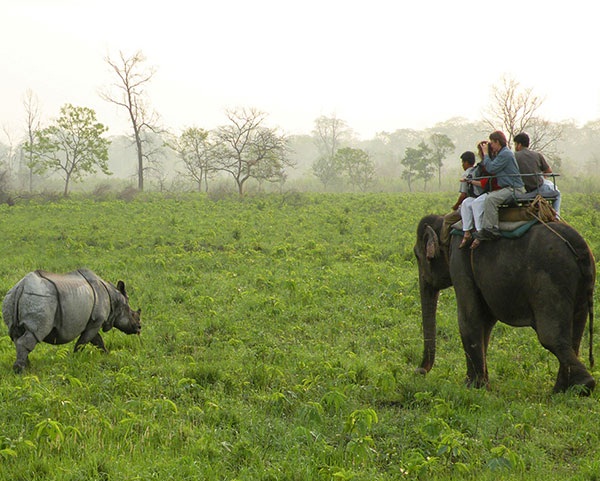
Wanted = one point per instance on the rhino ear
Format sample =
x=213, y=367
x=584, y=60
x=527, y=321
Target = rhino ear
x=432, y=243
x=121, y=288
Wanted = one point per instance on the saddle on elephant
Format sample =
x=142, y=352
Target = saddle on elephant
x=521, y=212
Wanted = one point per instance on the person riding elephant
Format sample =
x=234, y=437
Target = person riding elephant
x=467, y=160
x=544, y=279
x=532, y=166
x=504, y=167
x=471, y=210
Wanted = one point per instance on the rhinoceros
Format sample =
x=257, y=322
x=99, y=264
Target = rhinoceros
x=56, y=308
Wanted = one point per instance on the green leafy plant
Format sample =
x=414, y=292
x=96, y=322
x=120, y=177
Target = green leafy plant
x=287, y=353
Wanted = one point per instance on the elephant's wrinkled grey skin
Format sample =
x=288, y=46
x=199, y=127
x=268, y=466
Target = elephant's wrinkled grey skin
x=57, y=308
x=544, y=280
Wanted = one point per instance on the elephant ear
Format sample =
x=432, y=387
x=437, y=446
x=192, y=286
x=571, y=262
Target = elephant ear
x=432, y=243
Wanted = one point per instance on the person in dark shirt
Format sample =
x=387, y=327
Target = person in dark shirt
x=532, y=166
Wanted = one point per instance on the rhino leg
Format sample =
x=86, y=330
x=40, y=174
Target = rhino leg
x=98, y=342
x=24, y=345
x=95, y=340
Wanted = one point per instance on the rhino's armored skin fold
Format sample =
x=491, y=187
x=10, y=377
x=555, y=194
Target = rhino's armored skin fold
x=58, y=308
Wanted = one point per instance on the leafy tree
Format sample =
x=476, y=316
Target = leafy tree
x=129, y=93
x=418, y=164
x=441, y=147
x=329, y=134
x=356, y=165
x=195, y=149
x=73, y=146
x=326, y=170
x=392, y=145
x=246, y=149
x=410, y=162
x=270, y=172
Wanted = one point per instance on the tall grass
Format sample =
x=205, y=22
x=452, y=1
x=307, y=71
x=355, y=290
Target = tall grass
x=280, y=336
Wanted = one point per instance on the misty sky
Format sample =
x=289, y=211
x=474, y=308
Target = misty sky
x=379, y=65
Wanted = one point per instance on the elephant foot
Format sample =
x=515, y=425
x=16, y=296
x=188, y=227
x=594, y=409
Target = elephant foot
x=478, y=383
x=583, y=384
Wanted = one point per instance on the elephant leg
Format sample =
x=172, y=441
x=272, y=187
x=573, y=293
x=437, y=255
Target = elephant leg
x=571, y=372
x=579, y=324
x=475, y=344
x=475, y=331
x=24, y=345
x=475, y=324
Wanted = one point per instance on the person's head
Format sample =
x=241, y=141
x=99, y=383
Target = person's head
x=521, y=141
x=468, y=159
x=497, y=141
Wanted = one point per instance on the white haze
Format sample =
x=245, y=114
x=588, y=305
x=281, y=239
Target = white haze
x=379, y=65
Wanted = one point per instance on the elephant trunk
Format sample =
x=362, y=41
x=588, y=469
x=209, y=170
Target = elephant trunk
x=429, y=301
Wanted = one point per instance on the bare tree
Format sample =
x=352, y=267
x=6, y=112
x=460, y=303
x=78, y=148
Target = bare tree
x=246, y=149
x=129, y=92
x=33, y=125
x=329, y=134
x=5, y=156
x=544, y=136
x=8, y=158
x=155, y=159
x=514, y=109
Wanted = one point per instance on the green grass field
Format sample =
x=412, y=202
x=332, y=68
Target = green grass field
x=280, y=336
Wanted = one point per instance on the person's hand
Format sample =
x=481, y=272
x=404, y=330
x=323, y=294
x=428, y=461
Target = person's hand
x=485, y=148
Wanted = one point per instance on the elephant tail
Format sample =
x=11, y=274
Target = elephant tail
x=591, y=282
x=591, y=326
x=588, y=268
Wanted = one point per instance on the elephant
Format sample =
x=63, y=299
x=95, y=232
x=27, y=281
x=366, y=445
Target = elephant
x=544, y=279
